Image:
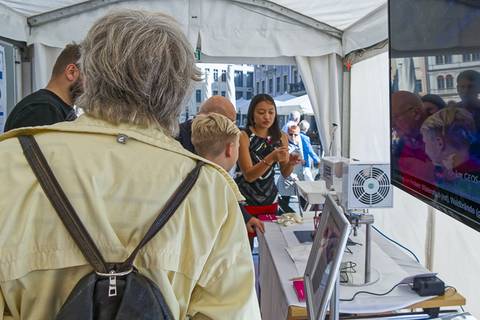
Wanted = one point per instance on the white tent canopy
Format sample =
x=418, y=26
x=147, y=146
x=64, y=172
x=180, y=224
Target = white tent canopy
x=285, y=105
x=316, y=35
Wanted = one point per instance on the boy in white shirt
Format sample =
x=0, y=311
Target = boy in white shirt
x=216, y=138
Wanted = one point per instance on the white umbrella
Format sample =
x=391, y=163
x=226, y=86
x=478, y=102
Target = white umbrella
x=230, y=84
x=301, y=104
x=208, y=84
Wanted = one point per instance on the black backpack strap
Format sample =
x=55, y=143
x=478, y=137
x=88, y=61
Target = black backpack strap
x=168, y=210
x=61, y=204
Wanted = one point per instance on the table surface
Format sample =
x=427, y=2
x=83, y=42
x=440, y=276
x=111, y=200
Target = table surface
x=274, y=242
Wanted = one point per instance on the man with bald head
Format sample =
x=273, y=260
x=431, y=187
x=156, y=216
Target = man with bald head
x=408, y=115
x=214, y=104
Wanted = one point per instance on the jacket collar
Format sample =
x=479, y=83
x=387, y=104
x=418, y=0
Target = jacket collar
x=152, y=136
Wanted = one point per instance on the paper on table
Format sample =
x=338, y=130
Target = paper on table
x=299, y=255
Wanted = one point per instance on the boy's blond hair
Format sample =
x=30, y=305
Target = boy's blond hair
x=211, y=132
x=455, y=125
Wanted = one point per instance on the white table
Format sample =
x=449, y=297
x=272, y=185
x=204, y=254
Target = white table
x=276, y=268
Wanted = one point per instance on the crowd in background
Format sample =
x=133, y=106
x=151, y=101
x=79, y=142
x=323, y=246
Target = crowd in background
x=438, y=142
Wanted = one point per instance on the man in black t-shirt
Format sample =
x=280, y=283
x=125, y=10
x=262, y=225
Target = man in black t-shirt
x=54, y=103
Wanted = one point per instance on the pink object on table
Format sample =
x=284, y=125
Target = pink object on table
x=299, y=289
x=267, y=217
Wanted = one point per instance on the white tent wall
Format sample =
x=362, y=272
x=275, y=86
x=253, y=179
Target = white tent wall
x=454, y=252
x=369, y=110
x=43, y=60
x=14, y=25
x=457, y=258
x=370, y=141
x=322, y=77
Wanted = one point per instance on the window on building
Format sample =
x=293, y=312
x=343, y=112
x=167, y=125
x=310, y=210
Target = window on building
x=418, y=86
x=448, y=59
x=198, y=95
x=215, y=74
x=238, y=95
x=263, y=86
x=270, y=86
x=249, y=95
x=295, y=75
x=475, y=56
x=439, y=60
x=250, y=79
x=440, y=82
x=277, y=84
x=224, y=75
x=467, y=57
x=223, y=94
x=285, y=83
x=215, y=92
x=238, y=79
x=258, y=87
x=449, y=81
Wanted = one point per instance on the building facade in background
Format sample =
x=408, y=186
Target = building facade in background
x=443, y=72
x=438, y=74
x=215, y=82
x=277, y=80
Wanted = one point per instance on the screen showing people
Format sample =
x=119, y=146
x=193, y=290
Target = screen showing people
x=323, y=264
x=328, y=244
x=435, y=105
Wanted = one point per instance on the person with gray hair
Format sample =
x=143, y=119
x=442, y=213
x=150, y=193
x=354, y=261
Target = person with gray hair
x=293, y=116
x=119, y=164
x=304, y=126
x=308, y=153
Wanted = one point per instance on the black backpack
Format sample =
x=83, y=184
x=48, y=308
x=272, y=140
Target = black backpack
x=114, y=291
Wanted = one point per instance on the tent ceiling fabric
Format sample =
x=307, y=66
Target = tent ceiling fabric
x=337, y=13
x=34, y=7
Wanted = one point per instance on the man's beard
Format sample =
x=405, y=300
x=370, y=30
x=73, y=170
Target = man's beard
x=76, y=89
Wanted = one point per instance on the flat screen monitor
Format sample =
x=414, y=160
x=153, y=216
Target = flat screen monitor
x=325, y=257
x=435, y=105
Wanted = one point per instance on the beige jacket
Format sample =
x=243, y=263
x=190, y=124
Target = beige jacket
x=201, y=259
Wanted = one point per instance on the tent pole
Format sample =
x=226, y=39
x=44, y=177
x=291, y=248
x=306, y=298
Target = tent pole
x=430, y=239
x=346, y=115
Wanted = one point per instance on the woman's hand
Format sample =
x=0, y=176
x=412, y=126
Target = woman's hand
x=254, y=225
x=280, y=154
x=295, y=158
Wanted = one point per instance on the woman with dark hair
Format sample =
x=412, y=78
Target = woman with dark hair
x=262, y=145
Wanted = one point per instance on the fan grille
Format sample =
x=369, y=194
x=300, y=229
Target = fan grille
x=371, y=185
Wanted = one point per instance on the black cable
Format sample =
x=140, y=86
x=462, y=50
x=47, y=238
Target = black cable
x=373, y=293
x=398, y=244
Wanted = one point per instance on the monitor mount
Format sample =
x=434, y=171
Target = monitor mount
x=357, y=219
